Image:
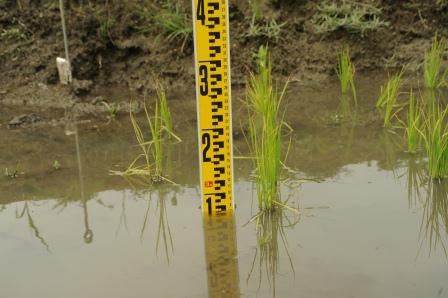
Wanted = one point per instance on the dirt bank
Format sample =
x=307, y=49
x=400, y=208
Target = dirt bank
x=118, y=47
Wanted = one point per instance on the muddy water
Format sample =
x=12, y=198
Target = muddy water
x=370, y=222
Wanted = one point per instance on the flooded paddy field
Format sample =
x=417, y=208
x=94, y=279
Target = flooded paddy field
x=370, y=223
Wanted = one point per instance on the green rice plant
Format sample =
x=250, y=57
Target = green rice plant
x=265, y=125
x=389, y=96
x=433, y=64
x=353, y=17
x=164, y=110
x=416, y=179
x=435, y=136
x=346, y=72
x=414, y=122
x=152, y=152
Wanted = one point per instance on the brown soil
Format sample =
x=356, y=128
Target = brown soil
x=123, y=64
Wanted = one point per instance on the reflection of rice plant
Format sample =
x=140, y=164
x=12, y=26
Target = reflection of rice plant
x=31, y=224
x=389, y=96
x=433, y=64
x=265, y=124
x=435, y=136
x=413, y=124
x=415, y=180
x=346, y=72
x=435, y=214
x=270, y=225
x=163, y=232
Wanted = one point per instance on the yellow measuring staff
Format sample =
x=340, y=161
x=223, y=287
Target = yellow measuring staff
x=212, y=65
x=221, y=256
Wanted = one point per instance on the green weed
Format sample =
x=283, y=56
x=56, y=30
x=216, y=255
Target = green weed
x=265, y=125
x=15, y=172
x=265, y=28
x=350, y=16
x=346, y=72
x=389, y=96
x=433, y=64
x=56, y=165
x=106, y=24
x=113, y=109
x=175, y=23
x=256, y=7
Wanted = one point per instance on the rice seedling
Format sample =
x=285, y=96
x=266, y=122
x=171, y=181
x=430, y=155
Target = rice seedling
x=164, y=110
x=346, y=72
x=433, y=64
x=435, y=136
x=265, y=125
x=149, y=163
x=414, y=122
x=15, y=172
x=389, y=96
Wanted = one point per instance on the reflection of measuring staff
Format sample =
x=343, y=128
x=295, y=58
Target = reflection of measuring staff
x=222, y=257
x=212, y=63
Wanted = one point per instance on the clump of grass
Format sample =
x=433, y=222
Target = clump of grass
x=256, y=7
x=433, y=64
x=389, y=96
x=353, y=17
x=106, y=23
x=15, y=172
x=435, y=136
x=175, y=23
x=265, y=28
x=414, y=122
x=346, y=72
x=113, y=109
x=265, y=125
